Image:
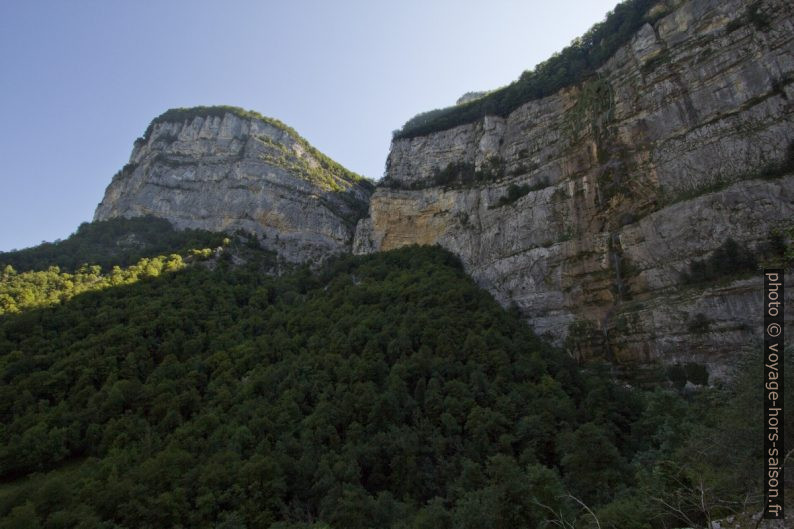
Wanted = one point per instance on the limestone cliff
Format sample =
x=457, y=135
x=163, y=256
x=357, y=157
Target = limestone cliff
x=223, y=169
x=587, y=208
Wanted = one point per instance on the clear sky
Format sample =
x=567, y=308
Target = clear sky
x=80, y=80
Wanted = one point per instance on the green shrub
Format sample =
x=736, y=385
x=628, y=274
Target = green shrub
x=757, y=18
x=699, y=324
x=514, y=192
x=465, y=173
x=728, y=260
x=696, y=373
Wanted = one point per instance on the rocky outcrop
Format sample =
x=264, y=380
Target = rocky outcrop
x=587, y=208
x=224, y=169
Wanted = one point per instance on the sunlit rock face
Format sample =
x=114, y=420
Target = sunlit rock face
x=223, y=172
x=682, y=141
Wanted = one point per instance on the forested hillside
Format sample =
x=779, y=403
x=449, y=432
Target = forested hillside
x=381, y=391
x=118, y=241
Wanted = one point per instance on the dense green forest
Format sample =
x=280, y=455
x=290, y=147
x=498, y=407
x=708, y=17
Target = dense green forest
x=379, y=391
x=572, y=65
x=115, y=242
x=34, y=289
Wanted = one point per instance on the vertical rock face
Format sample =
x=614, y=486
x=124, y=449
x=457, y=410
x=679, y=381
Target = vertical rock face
x=587, y=208
x=223, y=169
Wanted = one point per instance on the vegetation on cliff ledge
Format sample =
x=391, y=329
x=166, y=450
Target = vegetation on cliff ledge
x=572, y=65
x=382, y=391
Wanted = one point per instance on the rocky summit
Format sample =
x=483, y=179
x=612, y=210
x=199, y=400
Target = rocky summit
x=224, y=169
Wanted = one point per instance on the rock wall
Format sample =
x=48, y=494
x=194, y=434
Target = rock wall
x=227, y=172
x=588, y=207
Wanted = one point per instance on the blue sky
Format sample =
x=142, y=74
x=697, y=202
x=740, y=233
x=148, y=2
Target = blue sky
x=82, y=79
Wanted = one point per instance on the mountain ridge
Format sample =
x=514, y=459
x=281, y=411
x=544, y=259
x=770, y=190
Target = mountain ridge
x=358, y=358
x=224, y=168
x=575, y=207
